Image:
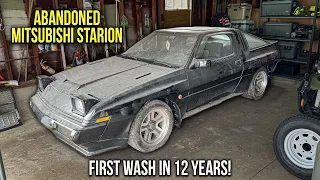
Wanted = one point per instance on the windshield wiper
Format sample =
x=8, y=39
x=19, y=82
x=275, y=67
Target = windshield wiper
x=127, y=56
x=153, y=61
x=136, y=58
x=164, y=64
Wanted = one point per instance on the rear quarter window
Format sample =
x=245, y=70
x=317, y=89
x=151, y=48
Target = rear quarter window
x=254, y=42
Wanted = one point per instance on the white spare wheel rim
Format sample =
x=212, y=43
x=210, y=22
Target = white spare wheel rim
x=300, y=147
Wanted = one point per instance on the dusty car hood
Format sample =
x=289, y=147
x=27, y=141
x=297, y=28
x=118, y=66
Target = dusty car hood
x=88, y=73
x=109, y=77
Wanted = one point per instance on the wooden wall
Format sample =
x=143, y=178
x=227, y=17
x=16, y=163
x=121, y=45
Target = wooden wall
x=176, y=18
x=13, y=14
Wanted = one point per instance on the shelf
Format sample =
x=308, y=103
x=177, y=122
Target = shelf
x=47, y=52
x=290, y=17
x=286, y=39
x=297, y=60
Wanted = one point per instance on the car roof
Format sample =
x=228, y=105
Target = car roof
x=195, y=30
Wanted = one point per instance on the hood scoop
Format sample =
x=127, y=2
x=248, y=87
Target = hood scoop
x=143, y=76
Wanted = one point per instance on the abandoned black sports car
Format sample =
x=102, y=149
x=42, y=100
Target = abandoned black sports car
x=136, y=98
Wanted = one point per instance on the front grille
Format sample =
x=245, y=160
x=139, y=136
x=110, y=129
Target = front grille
x=41, y=108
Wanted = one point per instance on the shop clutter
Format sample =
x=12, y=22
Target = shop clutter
x=240, y=15
x=287, y=22
x=9, y=115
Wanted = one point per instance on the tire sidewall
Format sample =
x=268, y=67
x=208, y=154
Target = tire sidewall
x=298, y=122
x=135, y=139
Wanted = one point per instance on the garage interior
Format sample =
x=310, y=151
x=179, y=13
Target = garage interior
x=238, y=129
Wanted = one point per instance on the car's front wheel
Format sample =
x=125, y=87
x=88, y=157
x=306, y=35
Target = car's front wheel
x=258, y=85
x=151, y=127
x=295, y=142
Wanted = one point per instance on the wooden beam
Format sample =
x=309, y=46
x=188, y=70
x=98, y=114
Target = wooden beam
x=80, y=4
x=203, y=12
x=154, y=14
x=55, y=4
x=161, y=11
x=30, y=9
x=102, y=19
x=35, y=52
x=5, y=49
x=63, y=53
x=214, y=8
x=139, y=19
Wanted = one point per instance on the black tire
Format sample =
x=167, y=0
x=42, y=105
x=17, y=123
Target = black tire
x=287, y=126
x=135, y=138
x=251, y=94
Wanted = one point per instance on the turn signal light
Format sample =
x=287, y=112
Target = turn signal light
x=302, y=103
x=104, y=119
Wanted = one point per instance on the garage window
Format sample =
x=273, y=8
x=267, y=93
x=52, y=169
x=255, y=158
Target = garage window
x=177, y=4
x=215, y=47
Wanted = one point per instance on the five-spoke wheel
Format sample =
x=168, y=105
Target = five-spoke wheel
x=151, y=127
x=154, y=126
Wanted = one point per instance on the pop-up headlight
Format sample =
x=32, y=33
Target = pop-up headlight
x=44, y=81
x=82, y=106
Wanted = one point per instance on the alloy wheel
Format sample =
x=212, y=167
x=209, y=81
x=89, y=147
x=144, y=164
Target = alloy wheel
x=154, y=126
x=260, y=83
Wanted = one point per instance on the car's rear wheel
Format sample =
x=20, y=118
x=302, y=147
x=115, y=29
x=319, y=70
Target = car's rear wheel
x=258, y=85
x=295, y=142
x=151, y=127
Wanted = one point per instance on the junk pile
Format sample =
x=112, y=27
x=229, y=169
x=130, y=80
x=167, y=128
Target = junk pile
x=9, y=115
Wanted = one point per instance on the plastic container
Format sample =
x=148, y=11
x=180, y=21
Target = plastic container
x=240, y=11
x=243, y=25
x=278, y=8
x=288, y=49
x=279, y=29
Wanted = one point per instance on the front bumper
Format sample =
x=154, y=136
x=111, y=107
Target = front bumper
x=86, y=140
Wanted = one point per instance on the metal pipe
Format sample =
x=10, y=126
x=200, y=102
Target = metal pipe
x=2, y=172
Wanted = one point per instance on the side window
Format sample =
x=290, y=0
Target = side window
x=215, y=46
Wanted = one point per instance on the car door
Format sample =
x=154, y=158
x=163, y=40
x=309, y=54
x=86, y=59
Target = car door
x=223, y=50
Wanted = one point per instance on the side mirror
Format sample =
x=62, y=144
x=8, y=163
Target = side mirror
x=202, y=63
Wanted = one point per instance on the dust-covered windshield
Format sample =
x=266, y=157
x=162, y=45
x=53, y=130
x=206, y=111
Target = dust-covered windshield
x=170, y=49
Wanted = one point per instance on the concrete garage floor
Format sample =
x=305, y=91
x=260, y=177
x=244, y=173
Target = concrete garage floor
x=238, y=129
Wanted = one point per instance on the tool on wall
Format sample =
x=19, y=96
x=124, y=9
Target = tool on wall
x=306, y=11
x=124, y=24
